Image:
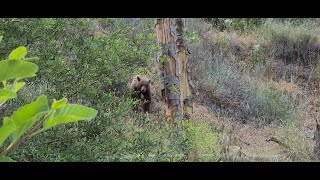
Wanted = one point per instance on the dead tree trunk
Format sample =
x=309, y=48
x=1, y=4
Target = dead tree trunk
x=175, y=72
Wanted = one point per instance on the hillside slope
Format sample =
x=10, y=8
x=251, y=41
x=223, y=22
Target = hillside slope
x=262, y=84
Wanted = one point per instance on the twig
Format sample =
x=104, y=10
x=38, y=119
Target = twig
x=29, y=135
x=49, y=142
x=277, y=141
x=1, y=104
x=317, y=139
x=248, y=144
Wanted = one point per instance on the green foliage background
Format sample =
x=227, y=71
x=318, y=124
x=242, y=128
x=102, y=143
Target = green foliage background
x=90, y=61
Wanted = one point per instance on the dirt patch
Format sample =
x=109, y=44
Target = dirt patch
x=253, y=141
x=248, y=137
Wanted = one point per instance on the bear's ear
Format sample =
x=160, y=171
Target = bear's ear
x=138, y=78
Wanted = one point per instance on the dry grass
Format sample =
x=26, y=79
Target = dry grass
x=295, y=92
x=248, y=137
x=249, y=40
x=251, y=138
x=219, y=123
x=300, y=147
x=253, y=141
x=292, y=43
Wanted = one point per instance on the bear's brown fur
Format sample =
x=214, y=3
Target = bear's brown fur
x=140, y=86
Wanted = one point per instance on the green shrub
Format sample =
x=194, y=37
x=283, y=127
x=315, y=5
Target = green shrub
x=201, y=142
x=299, y=147
x=89, y=61
x=225, y=82
x=76, y=59
x=273, y=105
x=34, y=117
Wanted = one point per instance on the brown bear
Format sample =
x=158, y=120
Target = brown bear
x=141, y=91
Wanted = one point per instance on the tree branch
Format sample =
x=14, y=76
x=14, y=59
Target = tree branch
x=29, y=135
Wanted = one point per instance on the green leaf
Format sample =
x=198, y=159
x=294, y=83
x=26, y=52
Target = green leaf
x=151, y=36
x=139, y=37
x=58, y=104
x=6, y=129
x=18, y=53
x=28, y=115
x=6, y=94
x=1, y=38
x=6, y=159
x=6, y=120
x=69, y=113
x=17, y=69
x=18, y=86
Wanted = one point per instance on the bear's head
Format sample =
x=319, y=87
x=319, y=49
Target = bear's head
x=143, y=84
x=140, y=84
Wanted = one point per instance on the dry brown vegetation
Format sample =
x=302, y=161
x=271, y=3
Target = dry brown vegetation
x=256, y=86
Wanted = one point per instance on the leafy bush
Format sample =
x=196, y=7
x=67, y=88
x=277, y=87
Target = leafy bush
x=272, y=105
x=77, y=59
x=201, y=142
x=37, y=115
x=90, y=61
x=145, y=139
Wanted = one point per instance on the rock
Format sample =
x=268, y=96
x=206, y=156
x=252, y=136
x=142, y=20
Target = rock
x=233, y=151
x=310, y=134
